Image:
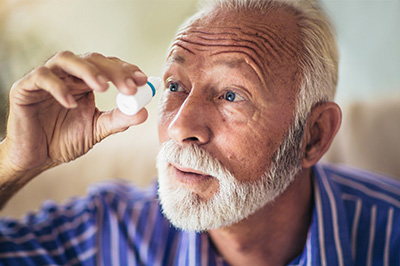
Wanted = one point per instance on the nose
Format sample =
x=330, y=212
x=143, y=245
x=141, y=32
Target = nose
x=190, y=124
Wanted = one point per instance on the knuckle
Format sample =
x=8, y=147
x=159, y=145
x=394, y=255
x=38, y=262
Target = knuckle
x=92, y=55
x=130, y=66
x=114, y=58
x=40, y=72
x=64, y=54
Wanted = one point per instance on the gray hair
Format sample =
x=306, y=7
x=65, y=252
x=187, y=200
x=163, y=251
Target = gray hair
x=318, y=62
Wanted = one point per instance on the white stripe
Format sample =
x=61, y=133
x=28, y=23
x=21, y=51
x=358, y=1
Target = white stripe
x=174, y=249
x=122, y=206
x=375, y=180
x=82, y=219
x=144, y=245
x=204, y=249
x=309, y=251
x=23, y=253
x=366, y=190
x=354, y=228
x=183, y=246
x=114, y=235
x=334, y=218
x=349, y=197
x=388, y=235
x=51, y=236
x=371, y=236
x=82, y=257
x=192, y=248
x=66, y=210
x=78, y=239
x=99, y=237
x=161, y=248
x=320, y=224
x=56, y=252
x=136, y=210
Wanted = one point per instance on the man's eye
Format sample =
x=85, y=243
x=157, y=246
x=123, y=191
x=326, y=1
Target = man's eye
x=173, y=86
x=231, y=96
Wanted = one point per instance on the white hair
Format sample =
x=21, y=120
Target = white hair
x=318, y=62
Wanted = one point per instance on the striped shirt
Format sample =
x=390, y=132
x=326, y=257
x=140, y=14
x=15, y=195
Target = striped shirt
x=355, y=221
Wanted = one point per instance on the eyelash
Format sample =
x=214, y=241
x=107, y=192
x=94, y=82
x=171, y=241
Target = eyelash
x=228, y=94
x=224, y=96
x=173, y=83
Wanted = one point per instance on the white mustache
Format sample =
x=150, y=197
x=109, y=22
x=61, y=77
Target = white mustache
x=193, y=157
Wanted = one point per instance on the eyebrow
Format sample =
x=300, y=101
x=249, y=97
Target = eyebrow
x=178, y=59
x=231, y=63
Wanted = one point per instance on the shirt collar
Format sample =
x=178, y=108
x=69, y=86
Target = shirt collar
x=328, y=241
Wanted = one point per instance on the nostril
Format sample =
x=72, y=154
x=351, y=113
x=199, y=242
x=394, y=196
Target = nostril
x=192, y=139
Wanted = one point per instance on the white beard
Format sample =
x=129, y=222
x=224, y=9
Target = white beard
x=234, y=201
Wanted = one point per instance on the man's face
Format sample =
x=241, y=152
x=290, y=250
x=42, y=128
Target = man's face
x=230, y=90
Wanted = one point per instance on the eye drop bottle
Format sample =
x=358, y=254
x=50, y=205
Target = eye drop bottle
x=131, y=104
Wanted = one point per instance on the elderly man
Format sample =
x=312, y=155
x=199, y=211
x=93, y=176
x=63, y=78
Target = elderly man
x=245, y=116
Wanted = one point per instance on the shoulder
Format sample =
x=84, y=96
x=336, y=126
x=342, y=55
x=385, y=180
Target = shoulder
x=370, y=201
x=370, y=187
x=102, y=196
x=123, y=190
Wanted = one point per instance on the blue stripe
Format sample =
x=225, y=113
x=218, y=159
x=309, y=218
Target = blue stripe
x=152, y=88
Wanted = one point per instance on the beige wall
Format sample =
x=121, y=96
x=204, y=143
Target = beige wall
x=140, y=31
x=136, y=31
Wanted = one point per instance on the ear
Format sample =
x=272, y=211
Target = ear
x=321, y=128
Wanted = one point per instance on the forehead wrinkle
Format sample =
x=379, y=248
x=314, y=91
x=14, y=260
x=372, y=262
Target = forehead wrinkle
x=277, y=39
x=256, y=51
x=268, y=42
x=249, y=52
x=236, y=34
x=265, y=47
x=273, y=43
x=257, y=69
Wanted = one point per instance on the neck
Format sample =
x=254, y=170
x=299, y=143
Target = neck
x=275, y=234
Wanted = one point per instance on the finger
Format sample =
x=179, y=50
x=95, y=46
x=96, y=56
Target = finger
x=137, y=74
x=44, y=79
x=115, y=121
x=119, y=72
x=76, y=66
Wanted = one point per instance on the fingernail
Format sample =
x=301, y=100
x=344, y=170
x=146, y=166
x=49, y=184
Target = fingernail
x=71, y=101
x=130, y=83
x=139, y=75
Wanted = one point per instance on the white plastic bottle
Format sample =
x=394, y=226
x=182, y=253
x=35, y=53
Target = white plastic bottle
x=131, y=104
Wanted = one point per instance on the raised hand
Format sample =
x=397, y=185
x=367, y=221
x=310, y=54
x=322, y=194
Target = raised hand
x=53, y=117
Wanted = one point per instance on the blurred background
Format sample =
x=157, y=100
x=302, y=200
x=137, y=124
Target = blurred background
x=140, y=31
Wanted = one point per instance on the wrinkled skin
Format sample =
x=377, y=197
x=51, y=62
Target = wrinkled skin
x=238, y=54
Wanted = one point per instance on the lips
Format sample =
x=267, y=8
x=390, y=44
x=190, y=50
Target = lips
x=188, y=175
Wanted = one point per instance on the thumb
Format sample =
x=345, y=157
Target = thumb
x=115, y=121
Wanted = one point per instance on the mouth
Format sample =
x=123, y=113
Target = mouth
x=189, y=176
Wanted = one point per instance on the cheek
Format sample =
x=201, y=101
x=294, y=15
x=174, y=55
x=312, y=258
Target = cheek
x=167, y=112
x=245, y=152
x=249, y=148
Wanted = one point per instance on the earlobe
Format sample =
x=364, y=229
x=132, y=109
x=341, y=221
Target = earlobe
x=322, y=126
